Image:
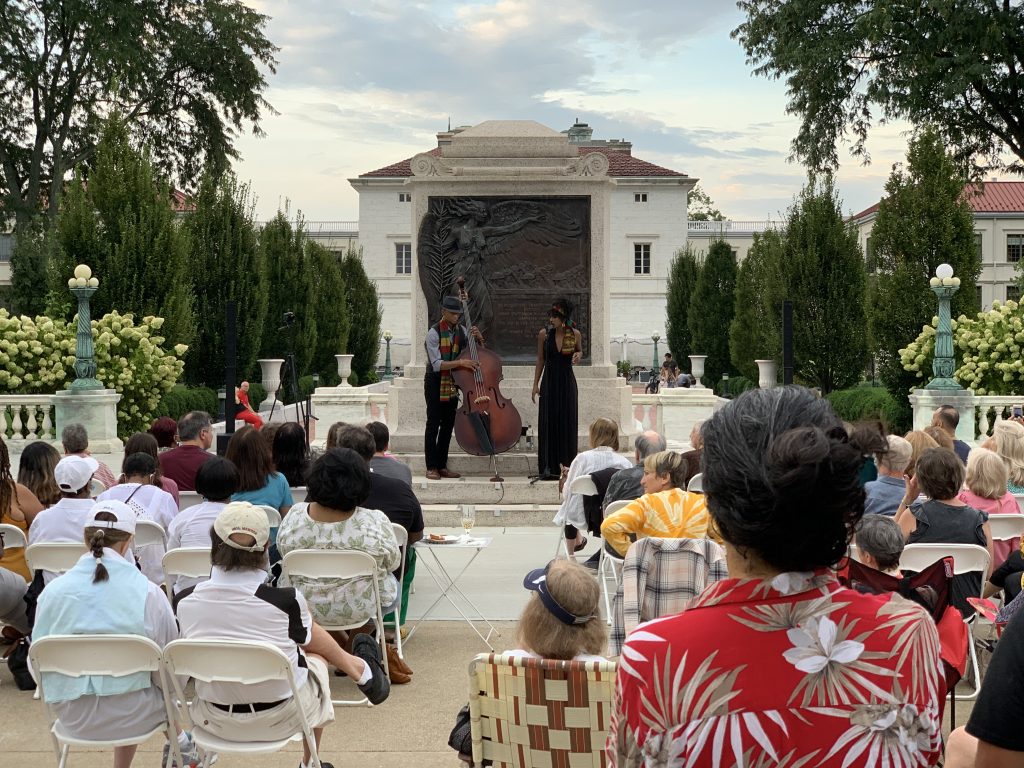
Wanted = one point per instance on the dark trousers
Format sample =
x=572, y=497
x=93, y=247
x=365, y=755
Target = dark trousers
x=440, y=422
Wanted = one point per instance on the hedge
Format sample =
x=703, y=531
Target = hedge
x=861, y=403
x=180, y=400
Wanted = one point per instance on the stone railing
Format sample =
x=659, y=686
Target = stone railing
x=991, y=409
x=731, y=227
x=27, y=418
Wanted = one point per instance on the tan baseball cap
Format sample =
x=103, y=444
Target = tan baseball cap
x=243, y=517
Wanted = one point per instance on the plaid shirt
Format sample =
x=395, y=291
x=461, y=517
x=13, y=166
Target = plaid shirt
x=659, y=578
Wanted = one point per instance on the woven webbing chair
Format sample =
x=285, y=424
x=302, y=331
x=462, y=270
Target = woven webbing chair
x=533, y=713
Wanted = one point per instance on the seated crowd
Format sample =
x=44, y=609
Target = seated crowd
x=774, y=658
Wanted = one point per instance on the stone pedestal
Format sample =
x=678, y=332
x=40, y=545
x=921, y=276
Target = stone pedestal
x=96, y=410
x=925, y=401
x=353, y=405
x=682, y=407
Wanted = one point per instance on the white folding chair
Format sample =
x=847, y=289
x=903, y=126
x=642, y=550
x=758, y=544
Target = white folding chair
x=403, y=546
x=231, y=661
x=1006, y=527
x=191, y=562
x=345, y=565
x=188, y=499
x=12, y=536
x=149, y=533
x=696, y=484
x=967, y=558
x=273, y=515
x=96, y=487
x=853, y=552
x=54, y=556
x=108, y=655
x=610, y=566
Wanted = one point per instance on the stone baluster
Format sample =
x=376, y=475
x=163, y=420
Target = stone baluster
x=17, y=425
x=31, y=423
x=47, y=431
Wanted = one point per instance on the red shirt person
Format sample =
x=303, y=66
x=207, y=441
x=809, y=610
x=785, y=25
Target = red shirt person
x=195, y=437
x=244, y=411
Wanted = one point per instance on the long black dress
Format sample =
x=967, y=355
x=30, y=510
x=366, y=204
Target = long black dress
x=557, y=411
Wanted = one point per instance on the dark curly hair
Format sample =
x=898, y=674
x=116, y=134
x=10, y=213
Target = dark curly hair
x=781, y=478
x=563, y=309
x=339, y=479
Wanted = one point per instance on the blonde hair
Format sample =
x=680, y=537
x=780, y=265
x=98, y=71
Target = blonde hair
x=1009, y=437
x=987, y=474
x=940, y=436
x=919, y=442
x=574, y=588
x=604, y=432
x=667, y=463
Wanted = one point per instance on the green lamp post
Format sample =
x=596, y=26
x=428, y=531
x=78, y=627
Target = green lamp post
x=944, y=285
x=389, y=374
x=83, y=285
x=655, y=337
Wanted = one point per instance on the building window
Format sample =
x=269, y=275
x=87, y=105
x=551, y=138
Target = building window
x=404, y=197
x=639, y=197
x=979, y=244
x=1014, y=247
x=1013, y=293
x=980, y=303
x=403, y=258
x=641, y=258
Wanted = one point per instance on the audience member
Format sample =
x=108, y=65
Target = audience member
x=1007, y=577
x=692, y=456
x=334, y=518
x=65, y=520
x=150, y=501
x=119, y=601
x=290, y=453
x=1008, y=441
x=604, y=444
x=625, y=483
x=782, y=484
x=665, y=510
x=144, y=442
x=382, y=463
x=987, y=476
x=880, y=543
x=165, y=431
x=269, y=432
x=13, y=587
x=883, y=496
x=919, y=443
x=236, y=604
x=195, y=437
x=18, y=507
x=35, y=471
x=258, y=483
x=216, y=481
x=243, y=410
x=76, y=443
x=943, y=518
x=941, y=437
x=868, y=436
x=946, y=418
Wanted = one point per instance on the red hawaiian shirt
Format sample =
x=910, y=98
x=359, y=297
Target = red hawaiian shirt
x=793, y=672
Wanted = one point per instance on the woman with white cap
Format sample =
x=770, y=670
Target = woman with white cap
x=105, y=593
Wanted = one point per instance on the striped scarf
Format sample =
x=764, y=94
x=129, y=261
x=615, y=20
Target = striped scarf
x=449, y=344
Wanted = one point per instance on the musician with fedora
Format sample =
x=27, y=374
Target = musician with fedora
x=445, y=340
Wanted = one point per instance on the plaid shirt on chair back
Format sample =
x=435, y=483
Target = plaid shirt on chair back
x=659, y=578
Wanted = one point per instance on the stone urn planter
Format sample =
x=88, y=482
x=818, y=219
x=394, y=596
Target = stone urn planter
x=697, y=369
x=270, y=376
x=344, y=369
x=767, y=373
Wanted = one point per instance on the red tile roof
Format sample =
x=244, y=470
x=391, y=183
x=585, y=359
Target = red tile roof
x=985, y=197
x=620, y=163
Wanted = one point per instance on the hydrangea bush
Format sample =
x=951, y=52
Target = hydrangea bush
x=989, y=348
x=37, y=356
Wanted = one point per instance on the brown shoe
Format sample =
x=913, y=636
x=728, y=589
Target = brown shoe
x=396, y=663
x=433, y=474
x=447, y=473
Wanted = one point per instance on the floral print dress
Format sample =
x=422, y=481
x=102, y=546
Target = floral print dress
x=796, y=671
x=341, y=602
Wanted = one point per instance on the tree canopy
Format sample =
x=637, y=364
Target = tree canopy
x=186, y=76
x=711, y=311
x=365, y=313
x=958, y=66
x=756, y=329
x=700, y=206
x=682, y=279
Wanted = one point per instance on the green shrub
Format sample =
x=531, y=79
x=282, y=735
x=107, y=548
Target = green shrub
x=862, y=403
x=180, y=400
x=734, y=386
x=257, y=394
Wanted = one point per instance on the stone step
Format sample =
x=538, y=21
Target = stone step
x=511, y=464
x=476, y=490
x=491, y=515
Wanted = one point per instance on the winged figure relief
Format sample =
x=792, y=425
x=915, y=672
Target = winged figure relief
x=476, y=238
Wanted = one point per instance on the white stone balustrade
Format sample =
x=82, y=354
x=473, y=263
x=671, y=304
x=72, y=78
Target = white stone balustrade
x=27, y=418
x=1001, y=406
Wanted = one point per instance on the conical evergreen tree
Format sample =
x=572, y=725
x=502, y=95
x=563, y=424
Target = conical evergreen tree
x=682, y=278
x=711, y=311
x=756, y=330
x=365, y=312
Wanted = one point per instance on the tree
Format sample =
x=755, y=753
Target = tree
x=682, y=278
x=923, y=221
x=227, y=264
x=365, y=311
x=711, y=311
x=187, y=76
x=958, y=66
x=700, y=206
x=29, y=264
x=123, y=224
x=824, y=277
x=292, y=290
x=332, y=321
x=756, y=329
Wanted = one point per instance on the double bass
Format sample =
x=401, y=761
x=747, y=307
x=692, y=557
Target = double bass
x=486, y=423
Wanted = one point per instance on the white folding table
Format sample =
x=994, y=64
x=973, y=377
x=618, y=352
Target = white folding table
x=449, y=585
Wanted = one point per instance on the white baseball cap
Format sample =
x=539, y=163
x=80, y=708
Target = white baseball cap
x=126, y=516
x=243, y=517
x=73, y=473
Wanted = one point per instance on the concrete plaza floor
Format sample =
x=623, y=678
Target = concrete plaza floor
x=411, y=728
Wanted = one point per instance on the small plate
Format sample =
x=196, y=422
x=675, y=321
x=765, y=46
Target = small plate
x=446, y=540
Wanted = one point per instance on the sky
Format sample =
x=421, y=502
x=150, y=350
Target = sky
x=360, y=85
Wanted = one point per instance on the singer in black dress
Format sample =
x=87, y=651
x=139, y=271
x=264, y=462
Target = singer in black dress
x=559, y=347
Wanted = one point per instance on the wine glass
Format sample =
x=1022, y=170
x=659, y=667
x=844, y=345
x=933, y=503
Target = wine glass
x=468, y=518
